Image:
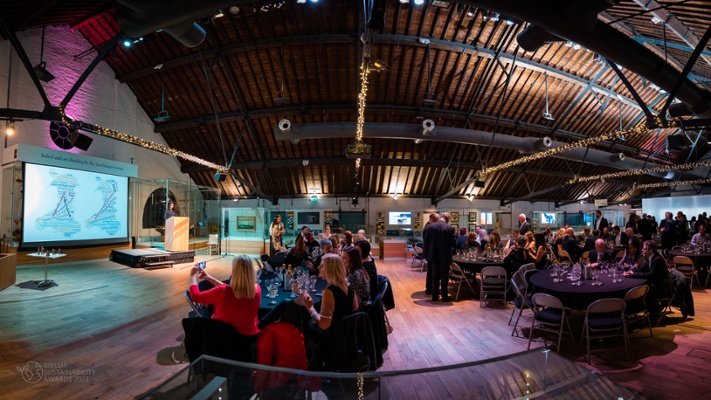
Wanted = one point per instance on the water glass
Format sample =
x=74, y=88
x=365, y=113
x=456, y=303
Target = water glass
x=313, y=279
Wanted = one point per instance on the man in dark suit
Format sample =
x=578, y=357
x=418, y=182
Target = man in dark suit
x=439, y=240
x=600, y=253
x=434, y=217
x=600, y=221
x=644, y=227
x=590, y=241
x=668, y=231
x=656, y=272
x=571, y=245
x=524, y=226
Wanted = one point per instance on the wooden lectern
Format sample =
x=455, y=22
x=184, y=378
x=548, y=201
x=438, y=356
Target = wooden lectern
x=177, y=231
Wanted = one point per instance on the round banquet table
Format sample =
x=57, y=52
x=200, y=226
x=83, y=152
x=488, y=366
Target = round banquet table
x=580, y=297
x=701, y=260
x=475, y=266
x=265, y=307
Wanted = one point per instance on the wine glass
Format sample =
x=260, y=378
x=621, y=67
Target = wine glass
x=273, y=291
x=313, y=279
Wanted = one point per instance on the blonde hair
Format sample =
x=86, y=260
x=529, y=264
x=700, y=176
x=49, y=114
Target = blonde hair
x=529, y=237
x=244, y=277
x=334, y=269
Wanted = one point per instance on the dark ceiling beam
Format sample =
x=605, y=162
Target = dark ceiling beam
x=31, y=10
x=280, y=112
x=342, y=161
x=573, y=20
x=390, y=39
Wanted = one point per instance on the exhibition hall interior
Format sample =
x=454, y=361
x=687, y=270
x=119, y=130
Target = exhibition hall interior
x=333, y=199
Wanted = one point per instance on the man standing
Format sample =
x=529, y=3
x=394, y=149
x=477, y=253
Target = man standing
x=523, y=225
x=439, y=240
x=667, y=228
x=644, y=227
x=600, y=221
x=433, y=219
x=682, y=228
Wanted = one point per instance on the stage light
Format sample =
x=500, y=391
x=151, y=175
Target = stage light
x=419, y=3
x=219, y=14
x=428, y=127
x=127, y=43
x=285, y=126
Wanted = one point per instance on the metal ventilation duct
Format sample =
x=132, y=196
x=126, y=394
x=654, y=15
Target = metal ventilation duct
x=526, y=145
x=177, y=18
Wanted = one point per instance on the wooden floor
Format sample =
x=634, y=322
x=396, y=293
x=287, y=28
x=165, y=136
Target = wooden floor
x=117, y=331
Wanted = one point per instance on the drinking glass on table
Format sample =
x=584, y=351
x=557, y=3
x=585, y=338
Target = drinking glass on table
x=313, y=279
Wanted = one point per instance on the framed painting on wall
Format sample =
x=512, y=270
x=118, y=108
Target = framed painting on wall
x=247, y=224
x=472, y=216
x=454, y=216
x=455, y=226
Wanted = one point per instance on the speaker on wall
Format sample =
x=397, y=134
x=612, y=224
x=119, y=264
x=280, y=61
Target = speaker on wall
x=676, y=143
x=79, y=140
x=220, y=177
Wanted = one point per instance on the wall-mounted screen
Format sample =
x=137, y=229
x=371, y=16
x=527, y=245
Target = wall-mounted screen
x=547, y=218
x=67, y=207
x=399, y=218
x=308, y=218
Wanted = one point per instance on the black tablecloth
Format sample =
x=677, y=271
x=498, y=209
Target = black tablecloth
x=475, y=266
x=265, y=307
x=580, y=297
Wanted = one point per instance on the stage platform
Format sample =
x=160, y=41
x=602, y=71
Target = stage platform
x=151, y=258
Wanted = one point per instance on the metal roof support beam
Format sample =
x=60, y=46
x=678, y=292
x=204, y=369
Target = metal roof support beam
x=673, y=23
x=90, y=69
x=648, y=114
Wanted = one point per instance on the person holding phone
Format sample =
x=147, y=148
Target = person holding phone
x=236, y=303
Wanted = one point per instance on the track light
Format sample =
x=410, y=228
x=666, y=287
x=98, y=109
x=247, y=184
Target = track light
x=219, y=14
x=300, y=1
x=264, y=7
x=279, y=4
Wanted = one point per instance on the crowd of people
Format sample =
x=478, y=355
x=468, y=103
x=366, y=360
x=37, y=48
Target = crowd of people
x=346, y=266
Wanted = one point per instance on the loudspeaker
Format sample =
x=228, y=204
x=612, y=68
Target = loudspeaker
x=79, y=140
x=220, y=177
x=676, y=143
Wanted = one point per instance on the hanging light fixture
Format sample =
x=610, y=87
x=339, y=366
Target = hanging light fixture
x=10, y=128
x=547, y=115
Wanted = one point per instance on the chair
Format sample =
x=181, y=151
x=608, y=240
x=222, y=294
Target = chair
x=376, y=314
x=420, y=257
x=666, y=303
x=457, y=276
x=686, y=266
x=493, y=285
x=281, y=344
x=636, y=309
x=523, y=300
x=585, y=256
x=529, y=266
x=619, y=255
x=551, y=255
x=527, y=276
x=564, y=256
x=350, y=346
x=197, y=311
x=215, y=338
x=212, y=241
x=551, y=316
x=605, y=318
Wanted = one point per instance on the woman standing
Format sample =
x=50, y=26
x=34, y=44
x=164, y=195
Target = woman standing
x=170, y=211
x=276, y=231
x=237, y=303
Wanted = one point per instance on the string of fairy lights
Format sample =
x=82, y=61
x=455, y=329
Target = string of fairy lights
x=637, y=130
x=626, y=174
x=364, y=71
x=671, y=184
x=146, y=144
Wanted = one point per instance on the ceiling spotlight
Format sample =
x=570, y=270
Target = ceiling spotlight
x=378, y=66
x=395, y=195
x=234, y=10
x=656, y=20
x=279, y=4
x=264, y=7
x=470, y=12
x=42, y=73
x=419, y=2
x=404, y=1
x=300, y=1
x=285, y=126
x=219, y=14
x=10, y=128
x=235, y=200
x=470, y=197
x=494, y=16
x=127, y=43
x=428, y=127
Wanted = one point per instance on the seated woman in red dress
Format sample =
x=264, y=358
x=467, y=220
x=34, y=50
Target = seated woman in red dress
x=237, y=303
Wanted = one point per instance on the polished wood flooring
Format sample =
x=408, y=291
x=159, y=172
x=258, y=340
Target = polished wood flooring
x=117, y=330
